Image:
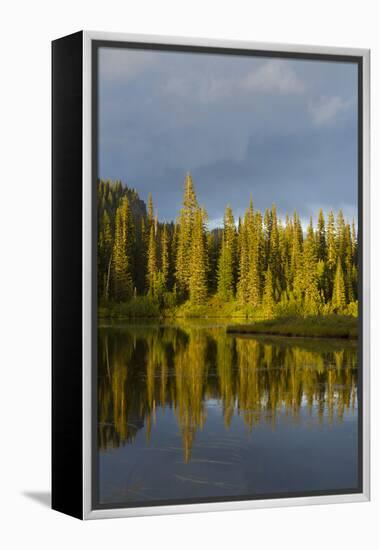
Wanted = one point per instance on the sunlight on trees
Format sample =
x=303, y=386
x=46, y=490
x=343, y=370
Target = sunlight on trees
x=262, y=262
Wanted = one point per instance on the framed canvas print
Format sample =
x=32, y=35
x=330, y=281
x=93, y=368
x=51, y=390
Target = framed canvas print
x=210, y=275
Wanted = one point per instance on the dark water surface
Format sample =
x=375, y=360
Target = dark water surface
x=189, y=412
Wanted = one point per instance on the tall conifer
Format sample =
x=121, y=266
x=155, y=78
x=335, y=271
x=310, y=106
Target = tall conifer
x=165, y=256
x=123, y=245
x=152, y=262
x=312, y=300
x=339, y=296
x=198, y=261
x=268, y=302
x=320, y=237
x=225, y=273
x=184, y=236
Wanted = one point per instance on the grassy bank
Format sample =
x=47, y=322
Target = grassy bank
x=246, y=319
x=140, y=307
x=146, y=307
x=328, y=326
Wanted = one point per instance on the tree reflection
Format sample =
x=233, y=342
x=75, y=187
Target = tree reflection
x=141, y=369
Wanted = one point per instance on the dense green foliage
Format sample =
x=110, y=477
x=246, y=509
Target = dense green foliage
x=260, y=267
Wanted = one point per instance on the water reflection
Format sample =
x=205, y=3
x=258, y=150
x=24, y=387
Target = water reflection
x=187, y=369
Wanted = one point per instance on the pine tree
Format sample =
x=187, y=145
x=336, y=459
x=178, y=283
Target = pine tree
x=274, y=252
x=165, y=257
x=184, y=236
x=340, y=236
x=104, y=255
x=213, y=248
x=259, y=248
x=349, y=275
x=227, y=264
x=354, y=243
x=354, y=254
x=267, y=225
x=285, y=240
x=339, y=297
x=225, y=273
x=244, y=264
x=297, y=262
x=123, y=243
x=331, y=254
x=312, y=299
x=256, y=248
x=198, y=261
x=254, y=290
x=231, y=241
x=321, y=250
x=152, y=262
x=268, y=302
x=150, y=211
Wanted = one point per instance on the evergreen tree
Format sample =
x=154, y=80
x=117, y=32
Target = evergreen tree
x=104, y=255
x=227, y=265
x=312, y=299
x=256, y=249
x=259, y=248
x=332, y=254
x=285, y=242
x=225, y=273
x=150, y=211
x=354, y=243
x=254, y=290
x=354, y=256
x=297, y=260
x=213, y=248
x=198, y=261
x=244, y=263
x=231, y=241
x=268, y=302
x=348, y=261
x=340, y=236
x=184, y=236
x=267, y=224
x=152, y=262
x=123, y=242
x=274, y=252
x=165, y=257
x=339, y=297
x=321, y=249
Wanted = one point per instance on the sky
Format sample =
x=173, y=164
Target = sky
x=276, y=130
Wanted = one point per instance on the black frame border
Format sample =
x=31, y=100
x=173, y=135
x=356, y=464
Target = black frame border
x=67, y=272
x=230, y=51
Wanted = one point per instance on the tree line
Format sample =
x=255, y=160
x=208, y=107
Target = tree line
x=258, y=261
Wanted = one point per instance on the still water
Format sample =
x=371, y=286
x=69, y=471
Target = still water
x=187, y=412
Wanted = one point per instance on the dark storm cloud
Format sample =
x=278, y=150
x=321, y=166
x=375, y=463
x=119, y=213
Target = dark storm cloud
x=280, y=131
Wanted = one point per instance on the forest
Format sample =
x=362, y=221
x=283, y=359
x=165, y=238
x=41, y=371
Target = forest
x=257, y=266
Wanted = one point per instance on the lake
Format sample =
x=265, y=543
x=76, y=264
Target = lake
x=188, y=413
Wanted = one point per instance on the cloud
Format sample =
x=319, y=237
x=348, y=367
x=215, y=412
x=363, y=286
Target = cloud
x=277, y=129
x=114, y=65
x=270, y=77
x=325, y=110
x=274, y=76
x=208, y=89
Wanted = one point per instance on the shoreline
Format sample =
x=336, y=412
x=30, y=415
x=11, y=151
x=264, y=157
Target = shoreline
x=331, y=326
x=328, y=326
x=234, y=330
